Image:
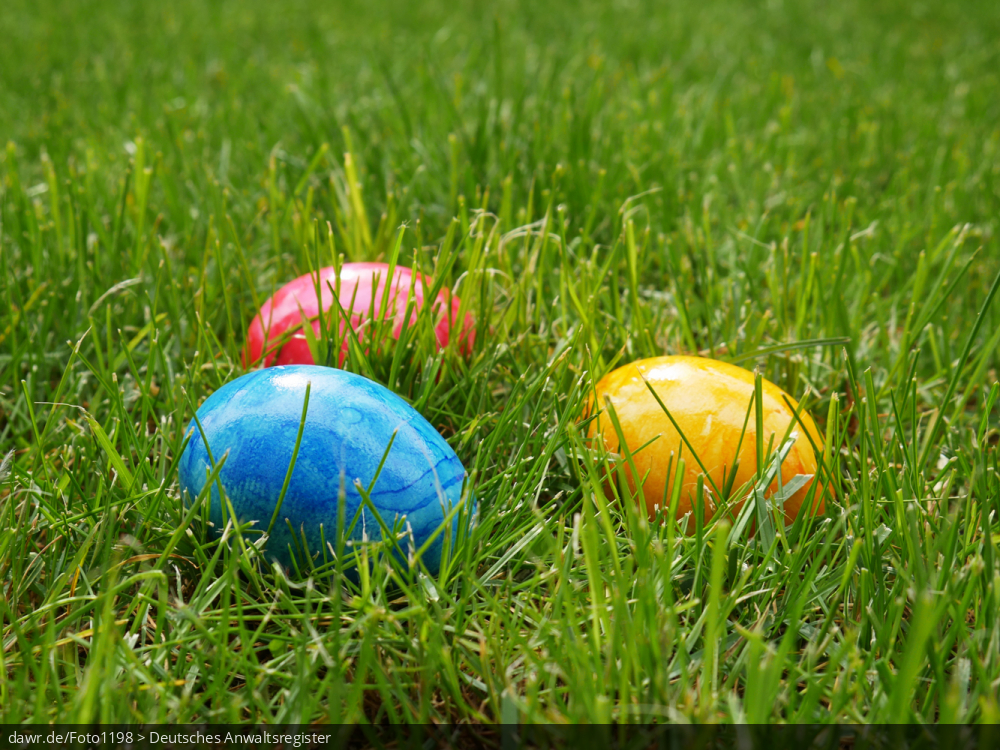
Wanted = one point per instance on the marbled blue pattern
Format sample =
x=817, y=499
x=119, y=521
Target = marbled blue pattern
x=350, y=422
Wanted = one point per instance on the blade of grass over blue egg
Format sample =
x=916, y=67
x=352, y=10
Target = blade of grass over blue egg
x=593, y=202
x=388, y=536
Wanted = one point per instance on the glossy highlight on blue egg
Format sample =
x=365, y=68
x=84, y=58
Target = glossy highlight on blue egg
x=349, y=424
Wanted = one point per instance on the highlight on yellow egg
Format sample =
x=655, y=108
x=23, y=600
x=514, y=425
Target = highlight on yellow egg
x=709, y=401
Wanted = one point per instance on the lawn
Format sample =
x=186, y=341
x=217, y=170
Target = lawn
x=812, y=189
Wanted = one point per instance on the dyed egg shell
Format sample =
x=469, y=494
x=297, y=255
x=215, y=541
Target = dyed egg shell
x=362, y=288
x=349, y=424
x=709, y=401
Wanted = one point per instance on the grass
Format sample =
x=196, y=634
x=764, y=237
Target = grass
x=808, y=188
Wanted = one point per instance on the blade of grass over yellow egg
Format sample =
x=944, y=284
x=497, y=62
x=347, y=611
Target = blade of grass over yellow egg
x=684, y=439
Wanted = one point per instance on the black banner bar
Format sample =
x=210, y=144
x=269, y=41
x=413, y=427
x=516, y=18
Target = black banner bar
x=501, y=737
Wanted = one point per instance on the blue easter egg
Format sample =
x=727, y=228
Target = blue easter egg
x=349, y=425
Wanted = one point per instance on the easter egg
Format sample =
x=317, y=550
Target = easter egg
x=709, y=402
x=276, y=336
x=254, y=421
